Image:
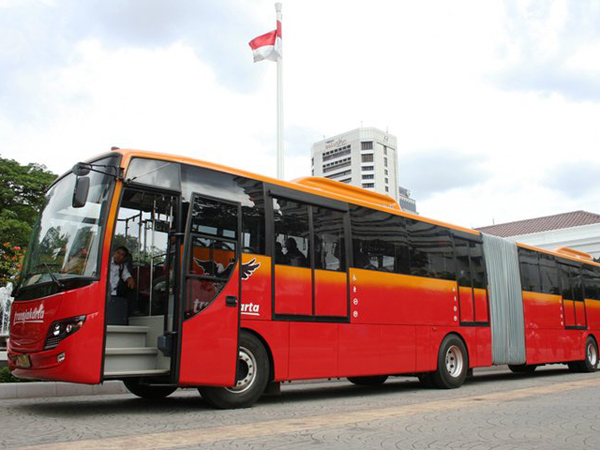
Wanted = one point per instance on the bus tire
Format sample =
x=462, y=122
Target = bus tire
x=590, y=363
x=453, y=364
x=135, y=386
x=522, y=368
x=426, y=379
x=252, y=377
x=375, y=380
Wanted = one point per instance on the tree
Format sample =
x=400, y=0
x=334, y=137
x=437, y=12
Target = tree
x=22, y=189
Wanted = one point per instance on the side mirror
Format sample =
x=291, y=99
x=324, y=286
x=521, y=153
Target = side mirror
x=80, y=193
x=81, y=169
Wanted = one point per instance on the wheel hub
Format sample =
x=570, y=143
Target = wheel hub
x=454, y=361
x=592, y=354
x=246, y=373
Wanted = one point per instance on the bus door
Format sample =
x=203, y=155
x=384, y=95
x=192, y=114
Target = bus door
x=146, y=226
x=210, y=306
x=574, y=312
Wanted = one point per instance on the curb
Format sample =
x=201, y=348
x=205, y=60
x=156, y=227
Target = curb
x=59, y=389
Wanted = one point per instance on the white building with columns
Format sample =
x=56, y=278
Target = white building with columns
x=579, y=230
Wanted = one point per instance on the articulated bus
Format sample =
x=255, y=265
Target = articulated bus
x=242, y=282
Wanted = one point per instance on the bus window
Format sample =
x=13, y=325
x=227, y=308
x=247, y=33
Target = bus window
x=291, y=233
x=477, y=269
x=248, y=192
x=591, y=281
x=214, y=218
x=461, y=247
x=530, y=270
x=155, y=173
x=328, y=228
x=379, y=240
x=565, y=285
x=576, y=283
x=549, y=274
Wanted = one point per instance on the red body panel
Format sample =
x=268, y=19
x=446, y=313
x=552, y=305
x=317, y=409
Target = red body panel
x=467, y=311
x=331, y=293
x=481, y=306
x=386, y=298
x=592, y=309
x=313, y=350
x=293, y=290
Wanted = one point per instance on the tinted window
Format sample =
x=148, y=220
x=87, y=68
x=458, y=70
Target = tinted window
x=576, y=283
x=549, y=274
x=477, y=267
x=565, y=285
x=291, y=233
x=530, y=270
x=461, y=247
x=379, y=240
x=328, y=238
x=431, y=252
x=214, y=218
x=225, y=186
x=591, y=281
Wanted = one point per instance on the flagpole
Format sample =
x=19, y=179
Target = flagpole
x=279, y=104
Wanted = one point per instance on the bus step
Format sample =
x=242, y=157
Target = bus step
x=125, y=336
x=130, y=359
x=135, y=373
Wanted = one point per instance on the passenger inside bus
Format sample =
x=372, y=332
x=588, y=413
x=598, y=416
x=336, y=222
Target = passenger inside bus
x=294, y=255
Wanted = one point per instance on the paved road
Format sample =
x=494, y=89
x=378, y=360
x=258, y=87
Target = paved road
x=554, y=409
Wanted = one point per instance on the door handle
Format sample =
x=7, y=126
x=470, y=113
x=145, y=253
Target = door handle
x=231, y=301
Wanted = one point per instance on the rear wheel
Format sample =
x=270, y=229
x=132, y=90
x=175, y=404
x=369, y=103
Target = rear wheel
x=252, y=377
x=135, y=386
x=453, y=364
x=368, y=381
x=522, y=368
x=590, y=363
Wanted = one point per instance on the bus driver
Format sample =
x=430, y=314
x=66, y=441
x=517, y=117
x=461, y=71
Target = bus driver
x=120, y=281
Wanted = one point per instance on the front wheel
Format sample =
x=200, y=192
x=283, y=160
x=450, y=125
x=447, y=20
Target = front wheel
x=453, y=364
x=252, y=377
x=590, y=363
x=135, y=386
x=368, y=381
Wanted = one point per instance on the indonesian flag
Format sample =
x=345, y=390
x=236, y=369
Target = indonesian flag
x=267, y=46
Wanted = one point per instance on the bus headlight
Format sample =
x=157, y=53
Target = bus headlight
x=61, y=329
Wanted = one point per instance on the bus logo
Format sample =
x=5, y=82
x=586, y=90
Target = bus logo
x=33, y=315
x=249, y=268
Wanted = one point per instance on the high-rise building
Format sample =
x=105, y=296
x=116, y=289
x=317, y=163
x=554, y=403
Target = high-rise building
x=365, y=157
x=407, y=203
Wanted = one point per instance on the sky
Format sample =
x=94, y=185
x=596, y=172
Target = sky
x=495, y=103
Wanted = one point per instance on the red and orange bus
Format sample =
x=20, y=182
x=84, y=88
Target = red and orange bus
x=243, y=281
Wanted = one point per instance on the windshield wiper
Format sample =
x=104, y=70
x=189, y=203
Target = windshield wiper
x=56, y=281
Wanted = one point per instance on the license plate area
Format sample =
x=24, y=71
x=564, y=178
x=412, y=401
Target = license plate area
x=23, y=361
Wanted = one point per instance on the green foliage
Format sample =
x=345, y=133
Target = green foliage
x=22, y=189
x=6, y=376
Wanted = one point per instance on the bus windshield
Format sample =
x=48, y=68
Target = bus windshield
x=65, y=242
